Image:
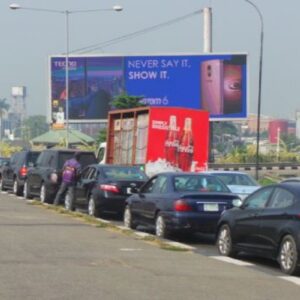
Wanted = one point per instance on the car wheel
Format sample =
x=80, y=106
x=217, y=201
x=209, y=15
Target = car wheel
x=288, y=256
x=16, y=188
x=44, y=197
x=128, y=219
x=224, y=241
x=26, y=191
x=2, y=188
x=93, y=211
x=160, y=227
x=69, y=202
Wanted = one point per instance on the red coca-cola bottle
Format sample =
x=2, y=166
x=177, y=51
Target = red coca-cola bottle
x=186, y=147
x=172, y=142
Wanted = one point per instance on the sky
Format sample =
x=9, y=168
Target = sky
x=29, y=37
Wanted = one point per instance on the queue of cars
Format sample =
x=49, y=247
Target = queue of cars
x=265, y=223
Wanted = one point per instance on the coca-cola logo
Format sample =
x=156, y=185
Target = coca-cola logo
x=174, y=143
x=186, y=149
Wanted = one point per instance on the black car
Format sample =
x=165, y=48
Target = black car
x=3, y=161
x=104, y=188
x=14, y=172
x=266, y=224
x=44, y=178
x=172, y=202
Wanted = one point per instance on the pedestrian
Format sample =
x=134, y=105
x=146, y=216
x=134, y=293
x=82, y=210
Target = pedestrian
x=70, y=174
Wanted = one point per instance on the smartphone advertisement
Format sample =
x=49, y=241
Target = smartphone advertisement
x=213, y=82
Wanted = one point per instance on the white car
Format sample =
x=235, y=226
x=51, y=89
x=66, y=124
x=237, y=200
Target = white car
x=239, y=183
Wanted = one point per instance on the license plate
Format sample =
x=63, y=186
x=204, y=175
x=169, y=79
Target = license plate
x=211, y=207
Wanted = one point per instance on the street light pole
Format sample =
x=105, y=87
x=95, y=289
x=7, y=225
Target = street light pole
x=259, y=86
x=116, y=8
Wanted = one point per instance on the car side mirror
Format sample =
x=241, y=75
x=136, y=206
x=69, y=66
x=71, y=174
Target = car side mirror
x=237, y=203
x=134, y=190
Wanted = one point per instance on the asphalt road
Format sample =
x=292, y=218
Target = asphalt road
x=47, y=255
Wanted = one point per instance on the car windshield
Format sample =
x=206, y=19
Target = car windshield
x=32, y=157
x=236, y=179
x=84, y=158
x=196, y=183
x=124, y=173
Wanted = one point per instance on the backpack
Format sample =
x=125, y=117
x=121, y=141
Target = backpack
x=69, y=172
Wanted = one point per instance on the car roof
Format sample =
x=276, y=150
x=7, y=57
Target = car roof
x=226, y=172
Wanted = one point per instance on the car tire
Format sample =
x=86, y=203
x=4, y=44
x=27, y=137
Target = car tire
x=288, y=256
x=17, y=190
x=69, y=202
x=161, y=230
x=26, y=190
x=44, y=196
x=93, y=211
x=2, y=188
x=224, y=241
x=128, y=218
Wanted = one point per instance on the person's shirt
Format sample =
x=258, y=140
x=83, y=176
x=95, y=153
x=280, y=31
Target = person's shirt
x=70, y=170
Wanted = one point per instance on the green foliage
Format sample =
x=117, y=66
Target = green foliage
x=6, y=150
x=32, y=127
x=126, y=101
x=101, y=136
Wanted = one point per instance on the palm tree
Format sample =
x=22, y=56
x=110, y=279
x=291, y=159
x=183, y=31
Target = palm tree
x=3, y=108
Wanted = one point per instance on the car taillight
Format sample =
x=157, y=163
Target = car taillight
x=109, y=188
x=181, y=205
x=23, y=171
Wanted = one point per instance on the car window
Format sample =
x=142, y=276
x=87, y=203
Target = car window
x=32, y=157
x=160, y=185
x=237, y=179
x=63, y=157
x=86, y=159
x=198, y=183
x=258, y=199
x=123, y=173
x=281, y=198
x=85, y=173
x=92, y=174
x=148, y=188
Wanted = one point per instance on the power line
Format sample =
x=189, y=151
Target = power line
x=134, y=34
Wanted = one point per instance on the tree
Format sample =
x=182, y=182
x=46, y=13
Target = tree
x=4, y=107
x=34, y=126
x=127, y=101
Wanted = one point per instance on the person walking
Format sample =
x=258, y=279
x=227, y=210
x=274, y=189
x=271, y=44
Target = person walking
x=69, y=178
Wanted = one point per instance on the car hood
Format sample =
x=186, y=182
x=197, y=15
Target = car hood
x=243, y=189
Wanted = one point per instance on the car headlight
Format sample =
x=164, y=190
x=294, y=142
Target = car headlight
x=237, y=202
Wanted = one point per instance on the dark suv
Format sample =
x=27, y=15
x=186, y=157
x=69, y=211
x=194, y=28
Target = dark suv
x=14, y=172
x=44, y=178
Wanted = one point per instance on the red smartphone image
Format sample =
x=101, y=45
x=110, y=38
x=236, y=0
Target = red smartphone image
x=212, y=86
x=232, y=88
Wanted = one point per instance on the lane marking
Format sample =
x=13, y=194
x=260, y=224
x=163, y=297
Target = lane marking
x=295, y=280
x=181, y=245
x=232, y=261
x=130, y=249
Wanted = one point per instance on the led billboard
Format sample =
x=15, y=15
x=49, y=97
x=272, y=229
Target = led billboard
x=215, y=82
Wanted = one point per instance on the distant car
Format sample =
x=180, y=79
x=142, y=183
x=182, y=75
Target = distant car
x=266, y=224
x=14, y=172
x=291, y=179
x=44, y=178
x=104, y=188
x=239, y=183
x=172, y=202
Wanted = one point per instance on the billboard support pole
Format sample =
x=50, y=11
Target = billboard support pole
x=67, y=78
x=207, y=29
x=259, y=86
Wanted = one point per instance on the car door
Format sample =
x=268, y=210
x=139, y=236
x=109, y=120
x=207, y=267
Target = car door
x=154, y=199
x=274, y=217
x=247, y=219
x=84, y=184
x=139, y=201
x=8, y=173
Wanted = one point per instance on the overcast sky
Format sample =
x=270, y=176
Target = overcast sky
x=29, y=37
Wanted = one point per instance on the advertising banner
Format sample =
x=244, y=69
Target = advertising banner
x=214, y=82
x=177, y=140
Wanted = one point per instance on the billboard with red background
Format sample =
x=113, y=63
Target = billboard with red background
x=177, y=139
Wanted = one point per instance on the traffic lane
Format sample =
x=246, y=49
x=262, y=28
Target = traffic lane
x=50, y=256
x=204, y=244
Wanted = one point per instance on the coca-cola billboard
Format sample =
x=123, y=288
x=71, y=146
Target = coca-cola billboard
x=177, y=139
